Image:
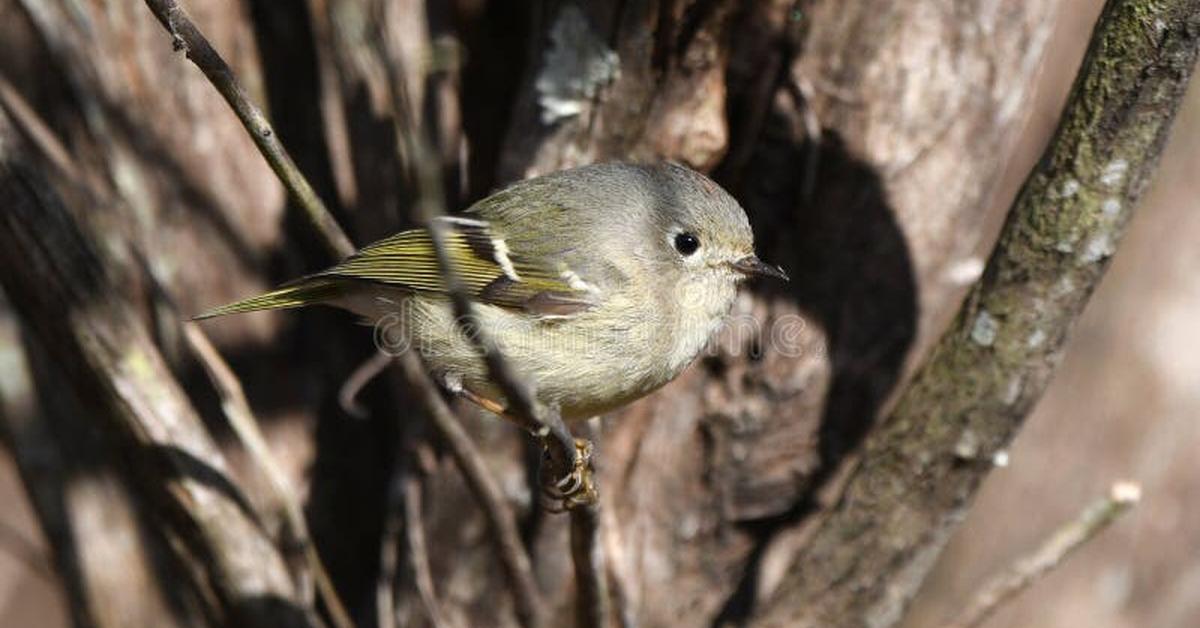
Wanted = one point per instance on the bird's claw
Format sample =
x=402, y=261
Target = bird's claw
x=575, y=488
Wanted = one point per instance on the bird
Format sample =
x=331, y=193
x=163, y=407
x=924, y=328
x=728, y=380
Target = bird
x=599, y=284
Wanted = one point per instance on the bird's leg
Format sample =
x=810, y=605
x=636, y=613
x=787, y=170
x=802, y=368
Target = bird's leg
x=567, y=490
x=487, y=404
x=567, y=481
x=566, y=475
x=500, y=410
x=455, y=387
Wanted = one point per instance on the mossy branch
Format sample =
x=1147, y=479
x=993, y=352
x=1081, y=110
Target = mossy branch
x=922, y=466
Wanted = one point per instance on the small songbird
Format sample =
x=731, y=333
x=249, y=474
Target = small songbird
x=599, y=284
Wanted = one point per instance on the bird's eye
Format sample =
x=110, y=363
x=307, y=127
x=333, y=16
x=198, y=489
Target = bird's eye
x=686, y=243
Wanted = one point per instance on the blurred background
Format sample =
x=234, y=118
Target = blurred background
x=1124, y=405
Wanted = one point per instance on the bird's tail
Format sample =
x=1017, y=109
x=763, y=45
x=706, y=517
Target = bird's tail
x=306, y=291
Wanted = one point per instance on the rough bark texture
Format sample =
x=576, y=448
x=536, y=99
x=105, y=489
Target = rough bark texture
x=866, y=140
x=702, y=474
x=87, y=517
x=920, y=470
x=104, y=358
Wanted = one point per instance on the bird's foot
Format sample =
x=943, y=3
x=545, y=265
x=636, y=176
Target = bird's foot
x=574, y=488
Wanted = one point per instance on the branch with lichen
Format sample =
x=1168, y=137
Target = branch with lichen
x=921, y=467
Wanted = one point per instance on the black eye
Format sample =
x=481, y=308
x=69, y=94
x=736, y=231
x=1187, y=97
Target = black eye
x=686, y=243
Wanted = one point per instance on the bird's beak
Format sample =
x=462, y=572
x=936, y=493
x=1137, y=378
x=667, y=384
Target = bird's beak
x=752, y=266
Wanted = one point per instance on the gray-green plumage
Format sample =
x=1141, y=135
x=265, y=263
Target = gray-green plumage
x=586, y=278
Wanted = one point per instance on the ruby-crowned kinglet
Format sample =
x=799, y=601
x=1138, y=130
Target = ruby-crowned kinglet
x=599, y=283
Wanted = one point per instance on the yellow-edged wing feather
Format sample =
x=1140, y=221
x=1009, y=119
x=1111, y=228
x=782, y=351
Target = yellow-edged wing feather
x=488, y=271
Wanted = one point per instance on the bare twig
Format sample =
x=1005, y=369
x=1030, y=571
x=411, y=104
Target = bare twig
x=63, y=287
x=501, y=520
x=188, y=38
x=591, y=582
x=431, y=205
x=470, y=462
x=530, y=607
x=418, y=549
x=389, y=560
x=359, y=378
x=1028, y=569
x=233, y=400
x=405, y=519
x=333, y=112
x=241, y=419
x=38, y=132
x=543, y=421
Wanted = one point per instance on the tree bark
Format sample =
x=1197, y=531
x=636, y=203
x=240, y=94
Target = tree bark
x=63, y=287
x=839, y=126
x=920, y=470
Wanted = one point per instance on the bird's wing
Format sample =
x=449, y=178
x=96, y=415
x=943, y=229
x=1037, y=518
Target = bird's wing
x=489, y=271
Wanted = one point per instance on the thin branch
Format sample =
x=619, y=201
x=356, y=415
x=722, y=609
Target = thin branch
x=405, y=518
x=245, y=426
x=418, y=549
x=38, y=132
x=62, y=286
x=591, y=581
x=530, y=607
x=1089, y=523
x=986, y=372
x=502, y=522
x=543, y=421
x=229, y=389
x=358, y=379
x=188, y=38
x=522, y=405
x=389, y=560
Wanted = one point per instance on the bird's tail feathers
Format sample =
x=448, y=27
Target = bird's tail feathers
x=299, y=293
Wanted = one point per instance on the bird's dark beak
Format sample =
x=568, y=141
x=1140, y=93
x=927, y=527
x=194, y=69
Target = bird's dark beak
x=752, y=266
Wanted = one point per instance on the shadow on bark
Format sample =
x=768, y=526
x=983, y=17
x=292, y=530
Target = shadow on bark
x=852, y=273
x=353, y=457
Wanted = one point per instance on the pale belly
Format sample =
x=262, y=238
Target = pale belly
x=583, y=367
x=586, y=365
